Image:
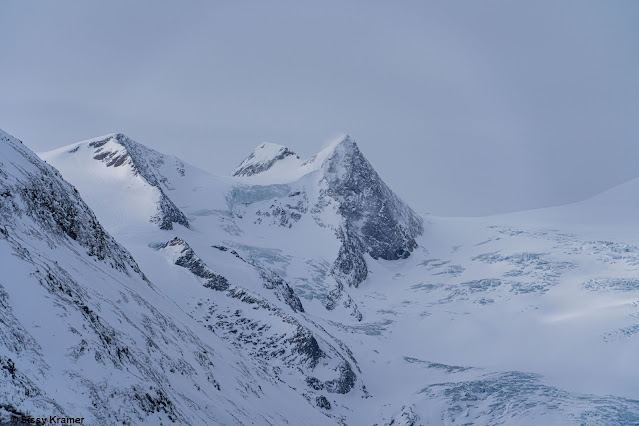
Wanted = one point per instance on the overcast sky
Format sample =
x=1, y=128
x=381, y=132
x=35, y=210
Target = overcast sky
x=464, y=108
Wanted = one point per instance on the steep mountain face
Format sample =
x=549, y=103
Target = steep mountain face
x=386, y=225
x=376, y=221
x=336, y=194
x=280, y=341
x=84, y=333
x=32, y=190
x=230, y=293
x=263, y=158
x=336, y=295
x=129, y=161
x=369, y=217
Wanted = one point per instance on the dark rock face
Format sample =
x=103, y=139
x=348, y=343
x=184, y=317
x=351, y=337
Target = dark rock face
x=314, y=383
x=240, y=320
x=241, y=327
x=257, y=162
x=145, y=162
x=350, y=266
x=189, y=260
x=56, y=207
x=110, y=327
x=169, y=214
x=376, y=221
x=322, y=402
x=274, y=282
x=345, y=382
x=284, y=292
x=154, y=402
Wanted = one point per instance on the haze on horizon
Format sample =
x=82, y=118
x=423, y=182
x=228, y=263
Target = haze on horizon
x=463, y=108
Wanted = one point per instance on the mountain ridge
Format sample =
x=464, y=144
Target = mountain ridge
x=84, y=333
x=117, y=150
x=263, y=158
x=325, y=281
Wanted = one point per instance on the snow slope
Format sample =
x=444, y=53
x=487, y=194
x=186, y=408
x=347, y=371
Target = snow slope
x=265, y=158
x=320, y=275
x=84, y=333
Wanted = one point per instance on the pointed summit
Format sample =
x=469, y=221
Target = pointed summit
x=345, y=158
x=342, y=144
x=126, y=160
x=371, y=219
x=35, y=199
x=263, y=158
x=376, y=220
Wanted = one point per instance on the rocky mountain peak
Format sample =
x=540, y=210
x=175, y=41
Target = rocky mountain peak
x=376, y=220
x=263, y=158
x=117, y=150
x=344, y=160
x=30, y=188
x=371, y=219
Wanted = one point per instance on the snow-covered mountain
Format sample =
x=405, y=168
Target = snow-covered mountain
x=84, y=333
x=134, y=177
x=263, y=158
x=325, y=299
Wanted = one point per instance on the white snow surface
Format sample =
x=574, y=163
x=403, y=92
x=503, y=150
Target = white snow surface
x=267, y=158
x=526, y=318
x=83, y=333
x=290, y=168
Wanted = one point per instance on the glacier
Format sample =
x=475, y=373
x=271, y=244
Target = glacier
x=142, y=290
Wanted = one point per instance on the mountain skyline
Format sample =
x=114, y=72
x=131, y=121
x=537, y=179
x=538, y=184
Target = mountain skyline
x=270, y=150
x=319, y=213
x=305, y=290
x=457, y=106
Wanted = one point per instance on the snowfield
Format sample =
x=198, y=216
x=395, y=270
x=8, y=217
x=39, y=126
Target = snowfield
x=303, y=292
